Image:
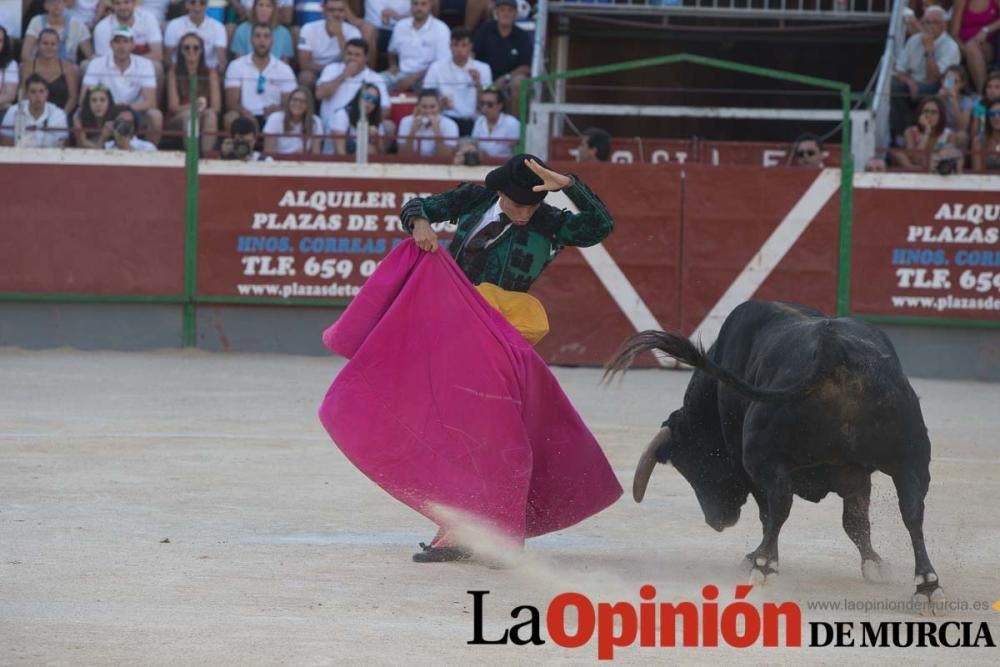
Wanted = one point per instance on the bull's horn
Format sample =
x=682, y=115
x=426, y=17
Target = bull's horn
x=646, y=464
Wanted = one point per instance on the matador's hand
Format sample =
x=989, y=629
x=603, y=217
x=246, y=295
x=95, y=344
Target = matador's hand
x=551, y=180
x=426, y=238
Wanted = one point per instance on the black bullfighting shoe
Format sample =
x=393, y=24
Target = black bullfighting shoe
x=430, y=554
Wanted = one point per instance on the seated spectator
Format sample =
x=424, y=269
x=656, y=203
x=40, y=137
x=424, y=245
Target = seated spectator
x=123, y=132
x=44, y=124
x=340, y=82
x=915, y=12
x=62, y=76
x=297, y=118
x=145, y=28
x=130, y=78
x=506, y=49
x=258, y=84
x=427, y=132
x=958, y=99
x=990, y=92
x=89, y=11
x=344, y=126
x=479, y=11
x=384, y=15
x=263, y=11
x=467, y=153
x=927, y=137
x=986, y=150
x=241, y=11
x=595, y=146
x=212, y=33
x=92, y=122
x=207, y=102
x=239, y=146
x=72, y=34
x=416, y=42
x=459, y=79
x=807, y=151
x=9, y=71
x=974, y=24
x=919, y=67
x=502, y=128
x=322, y=42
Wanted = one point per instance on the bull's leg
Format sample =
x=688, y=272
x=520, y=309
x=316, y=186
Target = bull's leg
x=911, y=487
x=777, y=492
x=858, y=528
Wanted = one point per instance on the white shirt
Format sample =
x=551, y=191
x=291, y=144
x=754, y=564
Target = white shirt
x=126, y=87
x=145, y=30
x=135, y=143
x=35, y=129
x=85, y=10
x=418, y=48
x=374, y=8
x=10, y=75
x=449, y=133
x=348, y=89
x=913, y=59
x=157, y=8
x=507, y=127
x=243, y=74
x=10, y=18
x=454, y=81
x=275, y=124
x=325, y=49
x=492, y=214
x=211, y=32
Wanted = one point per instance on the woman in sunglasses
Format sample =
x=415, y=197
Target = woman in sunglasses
x=493, y=123
x=208, y=100
x=296, y=128
x=344, y=124
x=987, y=150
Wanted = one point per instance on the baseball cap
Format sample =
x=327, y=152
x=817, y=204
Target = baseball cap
x=122, y=31
x=508, y=3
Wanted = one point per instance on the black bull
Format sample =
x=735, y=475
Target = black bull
x=791, y=402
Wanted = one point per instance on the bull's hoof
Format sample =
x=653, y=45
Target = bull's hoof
x=929, y=598
x=876, y=571
x=762, y=570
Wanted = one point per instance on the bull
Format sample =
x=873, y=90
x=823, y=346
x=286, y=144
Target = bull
x=789, y=402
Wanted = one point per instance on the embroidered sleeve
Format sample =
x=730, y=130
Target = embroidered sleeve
x=591, y=225
x=445, y=206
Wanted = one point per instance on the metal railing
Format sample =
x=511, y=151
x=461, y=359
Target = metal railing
x=894, y=40
x=821, y=10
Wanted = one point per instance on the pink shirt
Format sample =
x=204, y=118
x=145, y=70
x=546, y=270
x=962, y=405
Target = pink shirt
x=973, y=22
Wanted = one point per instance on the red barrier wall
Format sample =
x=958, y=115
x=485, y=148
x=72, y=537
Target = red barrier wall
x=92, y=229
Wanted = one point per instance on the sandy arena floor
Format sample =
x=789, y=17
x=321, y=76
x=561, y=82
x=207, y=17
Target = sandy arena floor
x=188, y=509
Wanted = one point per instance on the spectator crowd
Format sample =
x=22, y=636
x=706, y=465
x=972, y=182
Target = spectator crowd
x=945, y=104
x=130, y=74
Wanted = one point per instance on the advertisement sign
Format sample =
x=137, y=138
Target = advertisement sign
x=926, y=253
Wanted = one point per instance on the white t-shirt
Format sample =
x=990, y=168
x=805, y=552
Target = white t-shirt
x=913, y=59
x=449, y=133
x=145, y=31
x=10, y=18
x=325, y=49
x=85, y=10
x=243, y=74
x=10, y=75
x=275, y=124
x=37, y=131
x=348, y=89
x=456, y=82
x=135, y=143
x=507, y=127
x=374, y=8
x=73, y=32
x=211, y=32
x=126, y=87
x=418, y=48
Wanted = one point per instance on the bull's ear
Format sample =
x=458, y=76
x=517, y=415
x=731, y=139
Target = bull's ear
x=658, y=451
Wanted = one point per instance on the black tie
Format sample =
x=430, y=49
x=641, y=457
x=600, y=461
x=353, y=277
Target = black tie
x=473, y=258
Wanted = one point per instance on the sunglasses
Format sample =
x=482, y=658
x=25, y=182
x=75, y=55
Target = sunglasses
x=261, y=82
x=807, y=152
x=368, y=97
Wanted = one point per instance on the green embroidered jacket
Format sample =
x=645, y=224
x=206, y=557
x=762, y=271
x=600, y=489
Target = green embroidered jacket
x=516, y=259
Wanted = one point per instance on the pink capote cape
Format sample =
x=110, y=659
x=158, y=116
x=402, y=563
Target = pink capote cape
x=443, y=402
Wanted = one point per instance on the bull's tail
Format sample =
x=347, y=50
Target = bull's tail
x=684, y=350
